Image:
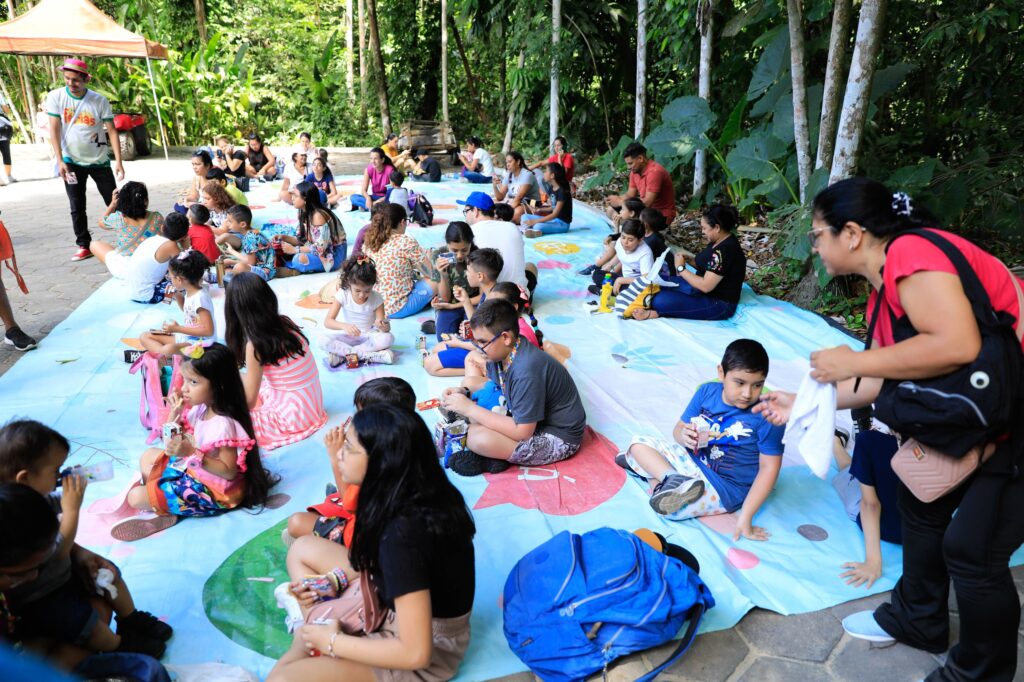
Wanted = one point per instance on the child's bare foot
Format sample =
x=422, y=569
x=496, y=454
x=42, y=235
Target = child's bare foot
x=533, y=233
x=645, y=314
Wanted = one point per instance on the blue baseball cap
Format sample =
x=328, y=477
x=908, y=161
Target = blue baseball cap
x=480, y=200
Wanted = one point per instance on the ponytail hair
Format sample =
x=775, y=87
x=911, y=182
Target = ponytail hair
x=517, y=296
x=871, y=205
x=357, y=269
x=725, y=217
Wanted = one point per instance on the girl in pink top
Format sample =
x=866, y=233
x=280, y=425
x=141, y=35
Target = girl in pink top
x=375, y=180
x=282, y=384
x=214, y=466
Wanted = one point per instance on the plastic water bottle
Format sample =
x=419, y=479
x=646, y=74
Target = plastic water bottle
x=100, y=471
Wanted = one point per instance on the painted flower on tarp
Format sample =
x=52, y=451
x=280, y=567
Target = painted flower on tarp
x=641, y=358
x=552, y=248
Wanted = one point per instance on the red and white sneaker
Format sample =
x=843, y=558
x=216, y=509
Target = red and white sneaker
x=81, y=254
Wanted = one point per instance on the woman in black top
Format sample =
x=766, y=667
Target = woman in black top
x=711, y=293
x=414, y=535
x=557, y=218
x=262, y=163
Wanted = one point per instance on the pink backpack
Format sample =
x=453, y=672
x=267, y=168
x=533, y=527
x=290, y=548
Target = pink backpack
x=153, y=407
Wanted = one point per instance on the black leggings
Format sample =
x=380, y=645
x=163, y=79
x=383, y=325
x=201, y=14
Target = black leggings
x=5, y=151
x=973, y=548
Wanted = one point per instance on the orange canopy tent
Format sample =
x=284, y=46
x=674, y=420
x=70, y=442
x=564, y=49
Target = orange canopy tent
x=77, y=27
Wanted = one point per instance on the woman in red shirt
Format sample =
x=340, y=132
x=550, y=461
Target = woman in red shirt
x=854, y=222
x=560, y=155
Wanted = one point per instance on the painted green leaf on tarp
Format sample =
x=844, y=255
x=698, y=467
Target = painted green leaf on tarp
x=244, y=610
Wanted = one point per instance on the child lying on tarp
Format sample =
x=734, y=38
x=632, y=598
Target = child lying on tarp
x=546, y=418
x=724, y=457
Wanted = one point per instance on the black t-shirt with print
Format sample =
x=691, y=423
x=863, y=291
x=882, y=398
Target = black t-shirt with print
x=728, y=260
x=565, y=197
x=412, y=559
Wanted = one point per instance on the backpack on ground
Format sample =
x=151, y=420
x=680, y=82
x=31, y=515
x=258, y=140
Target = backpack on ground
x=423, y=212
x=153, y=407
x=578, y=602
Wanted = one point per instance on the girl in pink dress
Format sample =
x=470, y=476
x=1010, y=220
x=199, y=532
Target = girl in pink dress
x=282, y=384
x=213, y=465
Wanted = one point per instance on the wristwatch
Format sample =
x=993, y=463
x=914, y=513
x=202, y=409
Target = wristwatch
x=680, y=268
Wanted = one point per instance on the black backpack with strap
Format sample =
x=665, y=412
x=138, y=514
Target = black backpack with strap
x=423, y=212
x=974, y=404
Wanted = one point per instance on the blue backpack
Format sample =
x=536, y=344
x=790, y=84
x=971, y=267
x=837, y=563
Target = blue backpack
x=578, y=602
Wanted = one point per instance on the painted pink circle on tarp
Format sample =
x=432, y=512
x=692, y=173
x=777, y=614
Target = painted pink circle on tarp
x=742, y=559
x=553, y=265
x=282, y=221
x=572, y=293
x=256, y=207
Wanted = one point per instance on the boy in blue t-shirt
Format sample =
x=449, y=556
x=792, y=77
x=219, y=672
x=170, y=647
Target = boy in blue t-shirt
x=740, y=463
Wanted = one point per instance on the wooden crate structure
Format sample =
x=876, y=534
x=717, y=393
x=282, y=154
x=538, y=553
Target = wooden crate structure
x=436, y=137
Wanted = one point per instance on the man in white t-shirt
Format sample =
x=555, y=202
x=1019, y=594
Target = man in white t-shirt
x=83, y=136
x=478, y=167
x=489, y=233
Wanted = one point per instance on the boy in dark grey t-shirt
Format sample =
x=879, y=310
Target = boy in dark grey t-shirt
x=547, y=419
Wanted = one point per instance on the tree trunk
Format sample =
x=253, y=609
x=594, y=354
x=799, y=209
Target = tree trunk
x=362, y=63
x=470, y=79
x=350, y=75
x=556, y=30
x=706, y=28
x=858, y=89
x=507, y=145
x=200, y=6
x=798, y=76
x=641, y=69
x=834, y=72
x=378, y=63
x=503, y=66
x=444, y=60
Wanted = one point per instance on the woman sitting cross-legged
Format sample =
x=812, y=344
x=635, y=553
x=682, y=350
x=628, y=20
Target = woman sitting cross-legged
x=710, y=293
x=399, y=259
x=414, y=537
x=320, y=244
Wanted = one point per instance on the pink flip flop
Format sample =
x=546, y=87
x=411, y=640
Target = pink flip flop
x=141, y=526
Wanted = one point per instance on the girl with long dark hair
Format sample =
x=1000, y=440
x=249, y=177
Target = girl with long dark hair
x=222, y=465
x=414, y=538
x=520, y=186
x=282, y=383
x=319, y=245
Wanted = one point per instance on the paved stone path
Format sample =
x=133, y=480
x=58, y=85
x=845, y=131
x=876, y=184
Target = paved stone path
x=763, y=647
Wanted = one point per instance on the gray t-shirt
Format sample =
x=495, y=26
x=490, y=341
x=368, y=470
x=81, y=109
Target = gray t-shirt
x=538, y=389
x=53, y=572
x=516, y=182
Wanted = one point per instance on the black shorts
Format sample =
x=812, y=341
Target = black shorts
x=65, y=615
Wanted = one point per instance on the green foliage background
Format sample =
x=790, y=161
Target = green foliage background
x=945, y=125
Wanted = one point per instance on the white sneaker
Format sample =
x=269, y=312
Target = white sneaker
x=862, y=625
x=287, y=601
x=380, y=357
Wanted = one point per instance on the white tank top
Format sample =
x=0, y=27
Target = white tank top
x=144, y=272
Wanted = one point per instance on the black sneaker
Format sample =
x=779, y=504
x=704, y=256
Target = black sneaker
x=594, y=289
x=587, y=271
x=145, y=623
x=468, y=463
x=19, y=339
x=675, y=492
x=621, y=460
x=428, y=327
x=134, y=642
x=496, y=466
